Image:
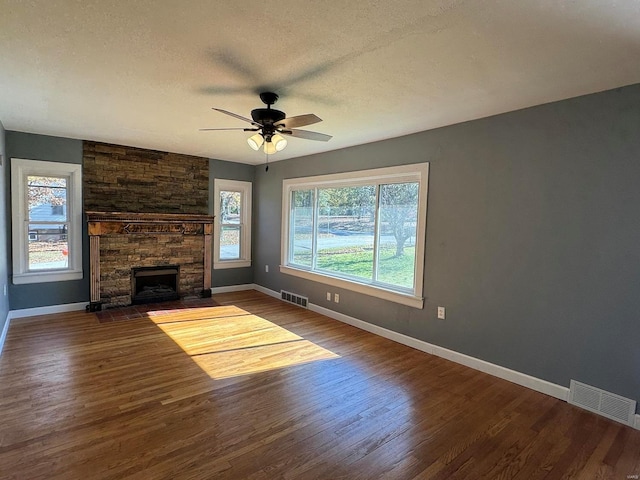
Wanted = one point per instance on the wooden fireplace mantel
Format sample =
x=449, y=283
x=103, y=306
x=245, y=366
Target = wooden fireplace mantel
x=125, y=223
x=101, y=223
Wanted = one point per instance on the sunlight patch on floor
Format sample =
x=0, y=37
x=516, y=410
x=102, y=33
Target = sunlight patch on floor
x=260, y=359
x=227, y=341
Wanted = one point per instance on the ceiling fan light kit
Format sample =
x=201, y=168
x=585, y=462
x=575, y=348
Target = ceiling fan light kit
x=270, y=124
x=271, y=146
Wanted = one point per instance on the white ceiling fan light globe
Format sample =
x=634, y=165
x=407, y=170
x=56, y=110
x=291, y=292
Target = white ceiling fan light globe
x=279, y=141
x=269, y=148
x=255, y=141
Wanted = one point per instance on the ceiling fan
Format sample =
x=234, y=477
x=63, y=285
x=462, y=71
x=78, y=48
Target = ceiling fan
x=270, y=124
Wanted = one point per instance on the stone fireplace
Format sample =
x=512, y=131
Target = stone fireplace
x=146, y=210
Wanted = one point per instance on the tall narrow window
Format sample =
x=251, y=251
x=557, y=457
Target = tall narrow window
x=362, y=231
x=46, y=221
x=232, y=209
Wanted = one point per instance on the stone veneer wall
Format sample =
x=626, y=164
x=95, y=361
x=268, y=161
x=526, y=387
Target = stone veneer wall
x=128, y=179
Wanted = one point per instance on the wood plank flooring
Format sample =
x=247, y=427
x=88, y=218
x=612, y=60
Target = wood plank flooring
x=258, y=389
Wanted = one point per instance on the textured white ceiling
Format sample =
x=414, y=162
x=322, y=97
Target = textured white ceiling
x=146, y=73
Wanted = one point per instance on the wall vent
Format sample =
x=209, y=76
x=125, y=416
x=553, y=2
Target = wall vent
x=607, y=404
x=295, y=299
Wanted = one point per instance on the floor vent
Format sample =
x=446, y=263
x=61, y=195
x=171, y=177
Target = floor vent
x=603, y=403
x=295, y=299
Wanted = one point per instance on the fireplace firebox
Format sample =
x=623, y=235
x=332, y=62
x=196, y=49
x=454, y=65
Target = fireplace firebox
x=154, y=284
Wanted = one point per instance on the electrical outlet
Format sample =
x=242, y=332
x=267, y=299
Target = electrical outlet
x=5, y=289
x=329, y=296
x=336, y=297
x=441, y=313
x=266, y=268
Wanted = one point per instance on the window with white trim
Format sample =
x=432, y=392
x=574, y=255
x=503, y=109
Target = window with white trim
x=46, y=221
x=232, y=225
x=363, y=231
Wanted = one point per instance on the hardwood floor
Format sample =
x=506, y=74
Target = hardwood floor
x=258, y=389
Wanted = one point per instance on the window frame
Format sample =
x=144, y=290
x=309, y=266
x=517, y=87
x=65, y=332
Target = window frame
x=21, y=168
x=245, y=189
x=399, y=174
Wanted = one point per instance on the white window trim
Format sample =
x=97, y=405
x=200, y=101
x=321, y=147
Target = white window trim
x=244, y=188
x=404, y=173
x=20, y=168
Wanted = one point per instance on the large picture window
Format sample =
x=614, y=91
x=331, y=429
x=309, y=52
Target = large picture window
x=47, y=221
x=363, y=230
x=232, y=207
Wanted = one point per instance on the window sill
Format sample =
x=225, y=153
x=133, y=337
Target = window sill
x=44, y=277
x=404, y=299
x=231, y=264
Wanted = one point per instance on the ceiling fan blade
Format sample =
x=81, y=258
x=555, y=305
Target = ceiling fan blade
x=307, y=135
x=245, y=129
x=235, y=115
x=299, y=121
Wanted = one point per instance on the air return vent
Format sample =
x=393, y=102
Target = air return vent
x=295, y=299
x=604, y=403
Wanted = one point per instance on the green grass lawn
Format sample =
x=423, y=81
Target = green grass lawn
x=358, y=262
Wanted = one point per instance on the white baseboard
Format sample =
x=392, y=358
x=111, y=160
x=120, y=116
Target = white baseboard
x=233, y=288
x=246, y=286
x=32, y=312
x=267, y=291
x=5, y=330
x=636, y=424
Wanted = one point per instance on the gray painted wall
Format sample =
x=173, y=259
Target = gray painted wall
x=230, y=171
x=4, y=261
x=53, y=149
x=532, y=238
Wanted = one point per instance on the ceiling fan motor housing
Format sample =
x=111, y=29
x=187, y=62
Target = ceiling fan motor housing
x=267, y=116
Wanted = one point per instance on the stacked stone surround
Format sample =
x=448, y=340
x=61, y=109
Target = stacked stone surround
x=120, y=253
x=127, y=179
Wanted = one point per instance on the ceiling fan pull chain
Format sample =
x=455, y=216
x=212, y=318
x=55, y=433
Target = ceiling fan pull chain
x=266, y=168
